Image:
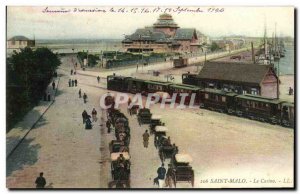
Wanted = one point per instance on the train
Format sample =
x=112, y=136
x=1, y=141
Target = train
x=254, y=107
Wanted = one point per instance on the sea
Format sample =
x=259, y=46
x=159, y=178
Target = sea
x=96, y=46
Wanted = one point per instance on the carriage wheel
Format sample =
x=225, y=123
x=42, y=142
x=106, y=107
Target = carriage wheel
x=193, y=180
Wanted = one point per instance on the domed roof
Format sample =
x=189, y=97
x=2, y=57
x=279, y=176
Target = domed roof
x=18, y=38
x=165, y=20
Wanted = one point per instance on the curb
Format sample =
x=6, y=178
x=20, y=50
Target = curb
x=20, y=141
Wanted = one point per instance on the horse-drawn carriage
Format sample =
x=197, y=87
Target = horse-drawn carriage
x=118, y=146
x=167, y=151
x=120, y=166
x=144, y=116
x=155, y=121
x=160, y=135
x=180, y=170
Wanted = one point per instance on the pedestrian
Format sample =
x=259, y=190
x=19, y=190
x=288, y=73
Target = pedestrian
x=40, y=181
x=108, y=126
x=70, y=82
x=128, y=106
x=53, y=85
x=291, y=91
x=94, y=115
x=74, y=72
x=84, y=116
x=161, y=172
x=49, y=97
x=88, y=122
x=75, y=82
x=146, y=139
x=76, y=64
x=98, y=79
x=168, y=181
x=71, y=71
x=84, y=97
x=79, y=93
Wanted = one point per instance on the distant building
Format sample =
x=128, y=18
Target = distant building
x=228, y=45
x=18, y=42
x=164, y=36
x=240, y=78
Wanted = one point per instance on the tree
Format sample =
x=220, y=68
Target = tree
x=214, y=46
x=28, y=75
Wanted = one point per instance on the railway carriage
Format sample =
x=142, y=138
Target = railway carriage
x=258, y=108
x=136, y=86
x=184, y=89
x=218, y=100
x=190, y=79
x=156, y=86
x=287, y=114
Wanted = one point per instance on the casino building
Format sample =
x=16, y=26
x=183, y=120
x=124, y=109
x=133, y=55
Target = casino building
x=164, y=36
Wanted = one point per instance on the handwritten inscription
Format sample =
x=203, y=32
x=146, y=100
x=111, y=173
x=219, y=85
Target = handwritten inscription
x=133, y=10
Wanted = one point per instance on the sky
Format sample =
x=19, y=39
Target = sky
x=70, y=23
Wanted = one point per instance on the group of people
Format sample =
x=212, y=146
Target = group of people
x=72, y=83
x=84, y=96
x=86, y=118
x=163, y=176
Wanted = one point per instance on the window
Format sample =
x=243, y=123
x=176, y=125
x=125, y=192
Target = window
x=254, y=91
x=206, y=96
x=223, y=99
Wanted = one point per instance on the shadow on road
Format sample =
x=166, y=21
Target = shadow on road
x=59, y=92
x=25, y=155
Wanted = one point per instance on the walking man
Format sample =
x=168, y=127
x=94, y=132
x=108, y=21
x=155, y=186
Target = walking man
x=53, y=85
x=161, y=173
x=146, y=139
x=84, y=116
x=84, y=97
x=291, y=91
x=94, y=115
x=98, y=78
x=71, y=71
x=70, y=82
x=79, y=93
x=108, y=126
x=75, y=82
x=40, y=181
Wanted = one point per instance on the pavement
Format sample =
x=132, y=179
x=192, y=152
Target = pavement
x=21, y=129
